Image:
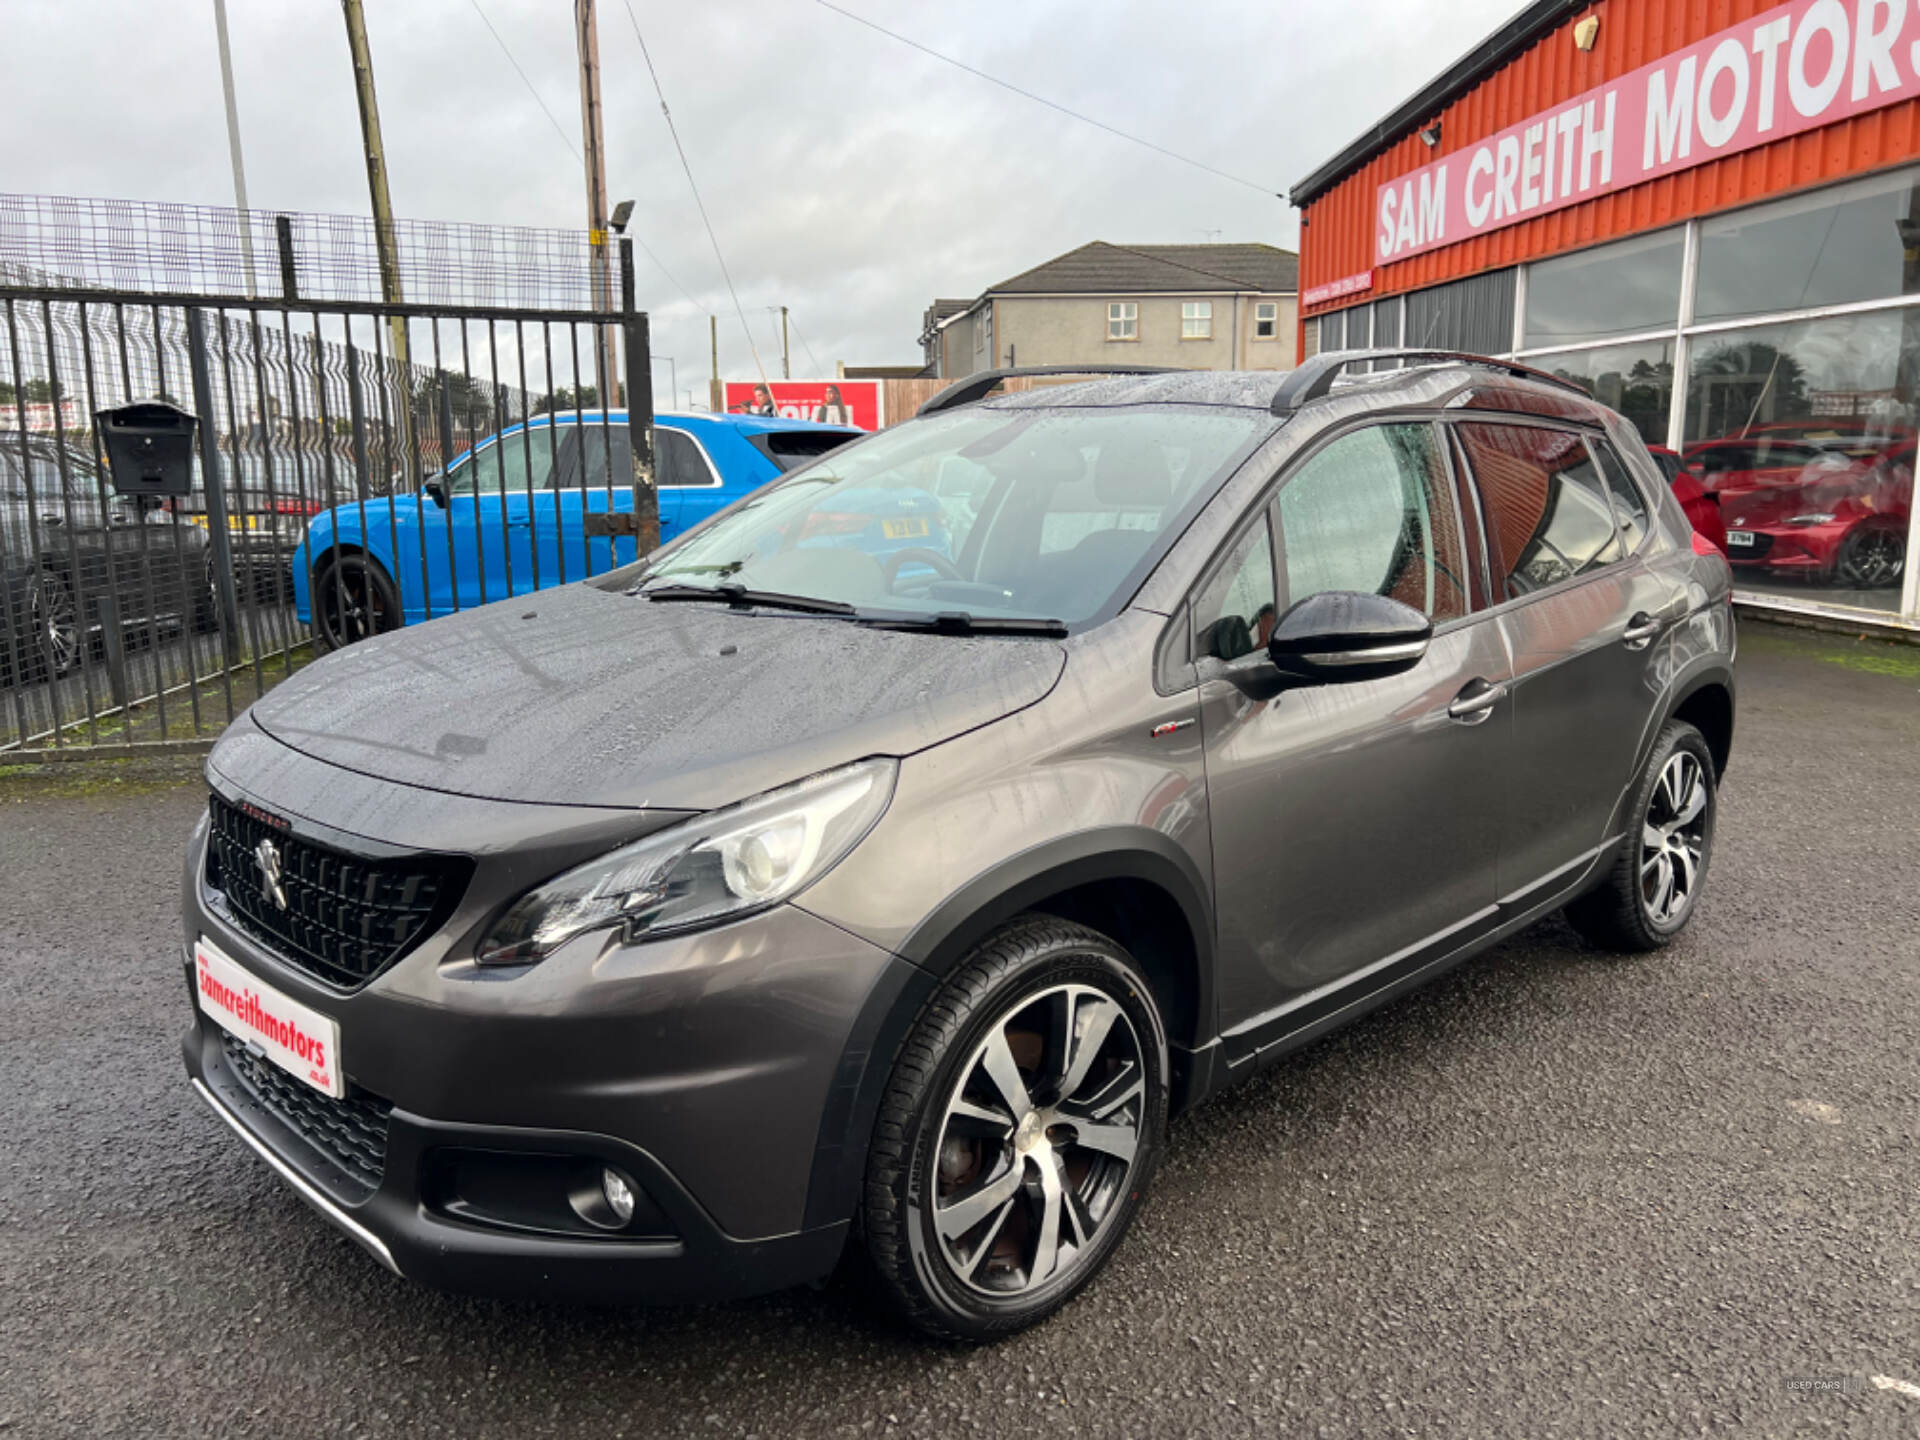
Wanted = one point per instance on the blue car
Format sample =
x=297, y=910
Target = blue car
x=508, y=516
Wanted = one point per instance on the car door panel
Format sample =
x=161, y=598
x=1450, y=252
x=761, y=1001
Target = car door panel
x=1584, y=695
x=1582, y=615
x=1351, y=823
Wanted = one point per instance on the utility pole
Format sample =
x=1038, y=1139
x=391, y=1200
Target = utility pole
x=383, y=234
x=786, y=360
x=715, y=400
x=586, y=35
x=233, y=144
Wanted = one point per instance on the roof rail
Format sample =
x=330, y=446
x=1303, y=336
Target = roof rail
x=975, y=387
x=1315, y=377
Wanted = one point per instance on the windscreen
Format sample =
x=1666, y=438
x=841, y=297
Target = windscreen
x=1038, y=513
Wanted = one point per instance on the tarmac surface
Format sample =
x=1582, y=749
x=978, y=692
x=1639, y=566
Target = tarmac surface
x=1555, y=1193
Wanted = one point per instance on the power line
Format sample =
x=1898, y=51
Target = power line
x=558, y=128
x=681, y=150
x=567, y=141
x=1050, y=104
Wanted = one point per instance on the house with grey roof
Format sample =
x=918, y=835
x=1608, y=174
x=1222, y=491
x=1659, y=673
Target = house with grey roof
x=1193, y=307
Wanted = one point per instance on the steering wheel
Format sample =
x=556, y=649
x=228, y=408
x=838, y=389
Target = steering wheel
x=919, y=554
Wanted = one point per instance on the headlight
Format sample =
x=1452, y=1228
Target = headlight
x=1811, y=520
x=710, y=869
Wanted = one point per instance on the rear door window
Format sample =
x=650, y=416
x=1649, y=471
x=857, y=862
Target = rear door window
x=1550, y=515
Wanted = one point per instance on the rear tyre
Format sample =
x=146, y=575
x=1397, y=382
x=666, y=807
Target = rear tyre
x=1654, y=886
x=353, y=598
x=1023, y=1120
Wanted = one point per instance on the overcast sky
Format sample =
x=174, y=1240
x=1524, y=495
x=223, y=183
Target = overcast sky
x=848, y=176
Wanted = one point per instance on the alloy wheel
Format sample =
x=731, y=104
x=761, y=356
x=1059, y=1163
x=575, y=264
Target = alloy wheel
x=54, y=623
x=1673, y=839
x=1871, y=558
x=351, y=605
x=1038, y=1140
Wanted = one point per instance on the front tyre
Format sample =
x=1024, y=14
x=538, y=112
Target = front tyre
x=353, y=598
x=1017, y=1135
x=1655, y=883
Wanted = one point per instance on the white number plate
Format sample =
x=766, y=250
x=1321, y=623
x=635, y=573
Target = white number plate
x=296, y=1037
x=1740, y=539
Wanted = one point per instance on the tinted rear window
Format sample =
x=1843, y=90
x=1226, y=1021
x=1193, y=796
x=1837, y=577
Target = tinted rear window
x=788, y=448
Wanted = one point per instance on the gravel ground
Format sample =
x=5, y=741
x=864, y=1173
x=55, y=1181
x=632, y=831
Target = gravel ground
x=1555, y=1193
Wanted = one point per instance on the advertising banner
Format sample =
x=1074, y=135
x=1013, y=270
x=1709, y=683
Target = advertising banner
x=1794, y=68
x=832, y=402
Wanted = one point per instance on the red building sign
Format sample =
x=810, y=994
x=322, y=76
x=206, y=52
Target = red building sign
x=1793, y=68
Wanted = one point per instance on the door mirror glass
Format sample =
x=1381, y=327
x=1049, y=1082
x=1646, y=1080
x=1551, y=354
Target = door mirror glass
x=1341, y=635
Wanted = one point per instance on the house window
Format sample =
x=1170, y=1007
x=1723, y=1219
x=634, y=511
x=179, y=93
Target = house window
x=1123, y=320
x=1196, y=320
x=1266, y=320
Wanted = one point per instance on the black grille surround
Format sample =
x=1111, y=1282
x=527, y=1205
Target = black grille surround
x=347, y=917
x=352, y=1133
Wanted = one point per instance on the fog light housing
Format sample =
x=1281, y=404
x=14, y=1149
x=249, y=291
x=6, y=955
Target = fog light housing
x=619, y=1195
x=541, y=1193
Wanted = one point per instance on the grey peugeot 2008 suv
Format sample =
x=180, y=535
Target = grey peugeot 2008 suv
x=665, y=936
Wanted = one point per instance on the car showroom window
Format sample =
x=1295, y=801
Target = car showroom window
x=1266, y=320
x=1549, y=518
x=1373, y=512
x=1234, y=612
x=1123, y=320
x=1196, y=320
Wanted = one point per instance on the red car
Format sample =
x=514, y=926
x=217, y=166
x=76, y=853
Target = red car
x=1702, y=509
x=1830, y=506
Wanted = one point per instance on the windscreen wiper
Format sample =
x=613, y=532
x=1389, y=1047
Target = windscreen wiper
x=740, y=597
x=961, y=622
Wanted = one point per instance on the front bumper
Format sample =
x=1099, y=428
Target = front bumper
x=713, y=1069
x=1809, y=549
x=696, y=1263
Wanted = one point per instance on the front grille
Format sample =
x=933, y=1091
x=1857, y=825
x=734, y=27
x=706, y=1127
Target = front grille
x=347, y=917
x=352, y=1133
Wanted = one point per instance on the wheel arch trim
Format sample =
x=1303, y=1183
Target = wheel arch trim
x=943, y=939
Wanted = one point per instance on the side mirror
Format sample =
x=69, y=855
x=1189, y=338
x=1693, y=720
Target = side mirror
x=1341, y=635
x=436, y=489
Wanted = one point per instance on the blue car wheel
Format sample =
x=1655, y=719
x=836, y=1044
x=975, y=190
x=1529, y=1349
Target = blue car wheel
x=353, y=597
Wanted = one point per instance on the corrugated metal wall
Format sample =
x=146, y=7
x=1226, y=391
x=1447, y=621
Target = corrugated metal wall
x=1475, y=314
x=1336, y=238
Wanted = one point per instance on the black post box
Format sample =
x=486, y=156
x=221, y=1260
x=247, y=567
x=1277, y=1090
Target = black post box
x=149, y=447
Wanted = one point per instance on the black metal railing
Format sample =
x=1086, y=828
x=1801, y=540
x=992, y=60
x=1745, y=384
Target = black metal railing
x=407, y=436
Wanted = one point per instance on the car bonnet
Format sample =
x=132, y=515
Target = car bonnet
x=583, y=696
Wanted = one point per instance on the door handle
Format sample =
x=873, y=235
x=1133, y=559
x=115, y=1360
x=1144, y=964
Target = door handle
x=1475, y=701
x=1641, y=630
x=519, y=524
